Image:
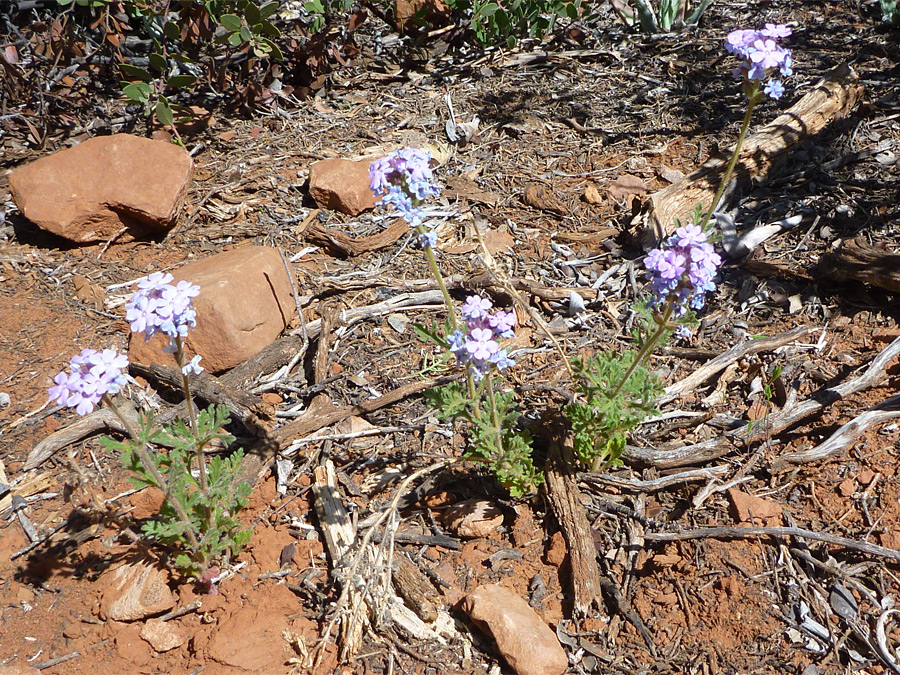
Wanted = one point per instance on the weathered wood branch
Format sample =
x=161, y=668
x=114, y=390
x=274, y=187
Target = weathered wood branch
x=562, y=490
x=856, y=260
x=831, y=99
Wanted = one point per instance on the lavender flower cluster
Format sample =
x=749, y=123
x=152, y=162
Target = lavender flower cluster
x=682, y=271
x=477, y=345
x=91, y=375
x=404, y=179
x=761, y=56
x=156, y=307
x=159, y=307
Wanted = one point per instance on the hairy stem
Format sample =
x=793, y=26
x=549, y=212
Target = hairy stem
x=662, y=324
x=435, y=270
x=149, y=465
x=754, y=95
x=198, y=442
x=495, y=416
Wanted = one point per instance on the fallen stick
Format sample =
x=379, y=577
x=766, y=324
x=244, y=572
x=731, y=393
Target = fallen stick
x=655, y=484
x=565, y=498
x=698, y=453
x=788, y=417
x=721, y=362
x=856, y=260
x=102, y=419
x=831, y=99
x=758, y=531
x=844, y=437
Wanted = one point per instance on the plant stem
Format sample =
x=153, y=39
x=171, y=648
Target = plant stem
x=495, y=417
x=754, y=96
x=432, y=262
x=661, y=326
x=149, y=465
x=192, y=414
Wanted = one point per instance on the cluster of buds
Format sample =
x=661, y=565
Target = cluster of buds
x=682, y=271
x=477, y=345
x=403, y=179
x=156, y=307
x=761, y=56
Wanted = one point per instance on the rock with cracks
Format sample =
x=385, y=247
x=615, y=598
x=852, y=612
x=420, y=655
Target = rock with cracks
x=106, y=186
x=525, y=641
x=135, y=591
x=245, y=302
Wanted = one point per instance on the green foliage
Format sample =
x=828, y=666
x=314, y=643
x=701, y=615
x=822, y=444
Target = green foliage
x=493, y=438
x=211, y=514
x=669, y=15
x=174, y=57
x=601, y=422
x=890, y=11
x=495, y=22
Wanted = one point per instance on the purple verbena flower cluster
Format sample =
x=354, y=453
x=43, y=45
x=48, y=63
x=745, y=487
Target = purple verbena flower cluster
x=477, y=345
x=404, y=179
x=91, y=375
x=761, y=56
x=159, y=307
x=682, y=271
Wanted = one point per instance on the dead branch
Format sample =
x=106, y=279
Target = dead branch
x=758, y=531
x=655, y=484
x=844, y=437
x=562, y=489
x=721, y=362
x=871, y=376
x=856, y=260
x=831, y=99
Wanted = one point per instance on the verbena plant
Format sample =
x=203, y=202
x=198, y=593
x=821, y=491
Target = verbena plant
x=197, y=521
x=614, y=392
x=403, y=179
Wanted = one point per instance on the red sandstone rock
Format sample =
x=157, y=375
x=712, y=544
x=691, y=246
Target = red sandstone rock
x=135, y=591
x=752, y=510
x=527, y=643
x=91, y=191
x=162, y=636
x=245, y=302
x=473, y=518
x=341, y=185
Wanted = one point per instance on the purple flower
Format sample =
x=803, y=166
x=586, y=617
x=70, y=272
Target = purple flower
x=159, y=307
x=476, y=307
x=481, y=344
x=690, y=235
x=501, y=360
x=476, y=345
x=502, y=323
x=428, y=239
x=682, y=271
x=776, y=30
x=738, y=41
x=193, y=366
x=403, y=179
x=774, y=89
x=91, y=375
x=761, y=56
x=767, y=54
